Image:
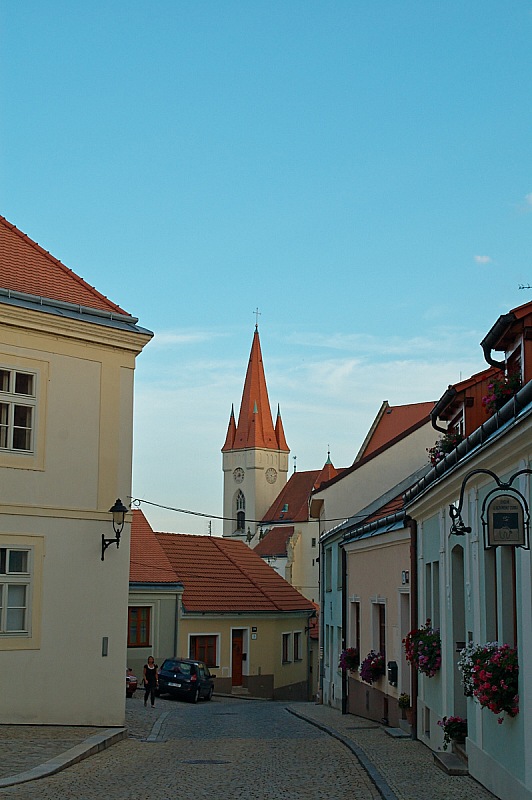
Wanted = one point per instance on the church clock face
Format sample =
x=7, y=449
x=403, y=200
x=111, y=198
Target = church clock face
x=238, y=474
x=271, y=475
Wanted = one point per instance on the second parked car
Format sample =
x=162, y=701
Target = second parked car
x=185, y=677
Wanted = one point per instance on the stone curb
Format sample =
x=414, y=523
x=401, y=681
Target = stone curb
x=93, y=744
x=382, y=787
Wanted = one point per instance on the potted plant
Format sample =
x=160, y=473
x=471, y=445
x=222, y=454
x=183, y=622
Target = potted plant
x=349, y=659
x=372, y=668
x=423, y=649
x=490, y=673
x=454, y=730
x=445, y=444
x=500, y=390
x=403, y=701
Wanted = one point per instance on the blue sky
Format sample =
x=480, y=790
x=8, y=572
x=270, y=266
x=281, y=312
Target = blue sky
x=359, y=171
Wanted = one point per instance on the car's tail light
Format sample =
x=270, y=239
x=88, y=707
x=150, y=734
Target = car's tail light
x=193, y=678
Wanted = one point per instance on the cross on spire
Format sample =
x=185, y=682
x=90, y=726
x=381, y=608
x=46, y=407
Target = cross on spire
x=257, y=315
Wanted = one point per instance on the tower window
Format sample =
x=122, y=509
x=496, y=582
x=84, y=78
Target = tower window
x=240, y=511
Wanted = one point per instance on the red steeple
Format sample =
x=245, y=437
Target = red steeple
x=255, y=426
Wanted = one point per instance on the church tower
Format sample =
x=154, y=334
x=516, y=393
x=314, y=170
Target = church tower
x=254, y=456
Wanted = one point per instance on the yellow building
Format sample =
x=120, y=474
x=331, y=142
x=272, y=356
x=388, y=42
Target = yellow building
x=67, y=358
x=236, y=613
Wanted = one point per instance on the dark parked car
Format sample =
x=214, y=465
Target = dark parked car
x=185, y=677
x=131, y=683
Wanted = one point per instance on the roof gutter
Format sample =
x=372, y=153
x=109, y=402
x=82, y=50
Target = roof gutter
x=46, y=301
x=441, y=405
x=376, y=524
x=493, y=336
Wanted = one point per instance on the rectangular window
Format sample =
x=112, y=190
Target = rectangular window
x=17, y=410
x=15, y=583
x=287, y=649
x=298, y=651
x=138, y=627
x=204, y=648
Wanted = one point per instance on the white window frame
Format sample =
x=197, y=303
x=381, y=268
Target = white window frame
x=9, y=579
x=290, y=647
x=11, y=400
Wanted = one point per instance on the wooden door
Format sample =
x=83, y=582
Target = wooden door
x=237, y=643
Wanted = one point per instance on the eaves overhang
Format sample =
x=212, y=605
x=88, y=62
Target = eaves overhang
x=518, y=408
x=150, y=586
x=95, y=316
x=377, y=527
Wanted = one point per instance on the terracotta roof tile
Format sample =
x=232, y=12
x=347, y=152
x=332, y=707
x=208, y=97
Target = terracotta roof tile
x=28, y=268
x=394, y=421
x=222, y=575
x=255, y=425
x=294, y=496
x=275, y=542
x=148, y=562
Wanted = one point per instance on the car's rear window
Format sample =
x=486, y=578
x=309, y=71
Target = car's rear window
x=177, y=666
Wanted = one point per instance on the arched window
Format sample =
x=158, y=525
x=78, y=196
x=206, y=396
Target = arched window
x=240, y=511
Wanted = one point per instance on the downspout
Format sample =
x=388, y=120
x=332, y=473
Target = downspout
x=345, y=680
x=412, y=524
x=322, y=614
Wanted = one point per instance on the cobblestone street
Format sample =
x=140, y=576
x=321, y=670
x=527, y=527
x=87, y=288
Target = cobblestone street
x=255, y=750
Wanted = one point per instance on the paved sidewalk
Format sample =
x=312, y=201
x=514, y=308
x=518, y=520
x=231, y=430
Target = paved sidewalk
x=401, y=769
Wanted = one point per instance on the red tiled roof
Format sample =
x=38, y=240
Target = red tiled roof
x=295, y=494
x=275, y=542
x=148, y=562
x=222, y=575
x=394, y=421
x=28, y=268
x=255, y=425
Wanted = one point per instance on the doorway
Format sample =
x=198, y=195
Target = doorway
x=237, y=643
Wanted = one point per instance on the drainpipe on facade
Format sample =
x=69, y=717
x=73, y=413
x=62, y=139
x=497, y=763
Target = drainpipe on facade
x=412, y=524
x=345, y=679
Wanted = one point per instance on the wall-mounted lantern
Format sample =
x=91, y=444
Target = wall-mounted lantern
x=119, y=512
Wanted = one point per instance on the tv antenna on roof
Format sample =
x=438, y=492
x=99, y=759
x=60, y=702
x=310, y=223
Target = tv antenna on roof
x=524, y=286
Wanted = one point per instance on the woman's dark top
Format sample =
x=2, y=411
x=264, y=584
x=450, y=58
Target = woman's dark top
x=151, y=674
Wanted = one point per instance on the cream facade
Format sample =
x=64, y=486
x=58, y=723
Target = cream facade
x=62, y=466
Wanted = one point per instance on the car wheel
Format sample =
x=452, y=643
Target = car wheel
x=195, y=696
x=209, y=694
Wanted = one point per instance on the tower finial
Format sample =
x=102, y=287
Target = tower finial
x=257, y=315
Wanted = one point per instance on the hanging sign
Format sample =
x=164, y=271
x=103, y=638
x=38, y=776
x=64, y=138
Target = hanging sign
x=506, y=525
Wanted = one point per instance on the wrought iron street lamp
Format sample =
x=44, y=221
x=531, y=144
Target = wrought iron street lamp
x=119, y=512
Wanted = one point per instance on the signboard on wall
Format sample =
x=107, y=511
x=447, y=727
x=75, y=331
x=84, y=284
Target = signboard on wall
x=506, y=525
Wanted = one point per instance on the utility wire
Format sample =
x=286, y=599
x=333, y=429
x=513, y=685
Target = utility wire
x=136, y=501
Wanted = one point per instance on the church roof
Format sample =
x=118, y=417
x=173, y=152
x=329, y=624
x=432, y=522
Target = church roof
x=255, y=426
x=218, y=575
x=275, y=542
x=27, y=268
x=292, y=502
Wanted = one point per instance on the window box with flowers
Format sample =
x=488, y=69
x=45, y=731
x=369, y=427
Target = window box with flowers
x=349, y=659
x=490, y=674
x=500, y=390
x=372, y=668
x=454, y=730
x=423, y=649
x=444, y=445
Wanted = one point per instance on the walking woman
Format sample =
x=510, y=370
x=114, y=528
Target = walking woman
x=151, y=681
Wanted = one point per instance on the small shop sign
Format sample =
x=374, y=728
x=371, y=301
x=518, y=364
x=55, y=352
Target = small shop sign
x=506, y=522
